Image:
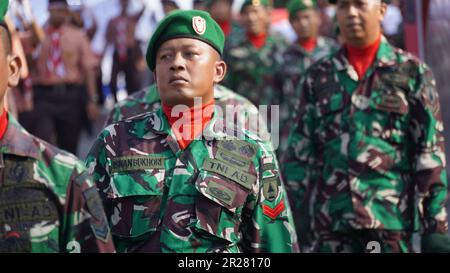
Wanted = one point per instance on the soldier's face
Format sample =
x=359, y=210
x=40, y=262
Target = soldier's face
x=10, y=65
x=359, y=20
x=220, y=11
x=255, y=19
x=306, y=23
x=185, y=69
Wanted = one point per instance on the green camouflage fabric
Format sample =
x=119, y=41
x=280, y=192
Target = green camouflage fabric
x=373, y=147
x=251, y=71
x=220, y=194
x=296, y=60
x=148, y=100
x=48, y=203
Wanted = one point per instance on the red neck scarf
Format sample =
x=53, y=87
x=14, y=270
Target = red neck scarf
x=257, y=40
x=201, y=114
x=226, y=27
x=362, y=57
x=3, y=123
x=309, y=44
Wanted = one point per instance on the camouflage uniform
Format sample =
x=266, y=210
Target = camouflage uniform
x=214, y=196
x=47, y=201
x=251, y=70
x=296, y=60
x=373, y=147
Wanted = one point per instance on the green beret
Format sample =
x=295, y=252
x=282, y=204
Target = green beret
x=208, y=3
x=3, y=9
x=295, y=5
x=194, y=24
x=265, y=3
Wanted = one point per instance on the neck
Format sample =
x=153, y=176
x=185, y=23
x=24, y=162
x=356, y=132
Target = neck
x=191, y=122
x=309, y=44
x=362, y=57
x=3, y=122
x=226, y=27
x=257, y=40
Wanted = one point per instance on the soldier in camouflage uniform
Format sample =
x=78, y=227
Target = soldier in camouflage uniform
x=148, y=101
x=215, y=193
x=253, y=55
x=47, y=201
x=369, y=137
x=304, y=17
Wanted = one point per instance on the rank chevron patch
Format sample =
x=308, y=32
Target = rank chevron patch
x=274, y=212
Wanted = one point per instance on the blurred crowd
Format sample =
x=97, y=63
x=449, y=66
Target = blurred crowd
x=64, y=85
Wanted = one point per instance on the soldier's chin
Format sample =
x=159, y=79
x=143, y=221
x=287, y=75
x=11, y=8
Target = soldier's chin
x=178, y=97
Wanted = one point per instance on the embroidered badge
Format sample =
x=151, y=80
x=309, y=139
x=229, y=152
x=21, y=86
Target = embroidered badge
x=199, y=25
x=273, y=213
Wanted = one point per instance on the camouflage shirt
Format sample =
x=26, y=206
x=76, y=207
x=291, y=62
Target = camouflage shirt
x=47, y=201
x=251, y=71
x=216, y=195
x=296, y=60
x=148, y=100
x=373, y=147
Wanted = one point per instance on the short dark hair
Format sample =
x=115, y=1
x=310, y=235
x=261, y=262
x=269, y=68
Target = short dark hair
x=6, y=37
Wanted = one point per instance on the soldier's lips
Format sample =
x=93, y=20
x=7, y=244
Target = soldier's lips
x=178, y=80
x=354, y=26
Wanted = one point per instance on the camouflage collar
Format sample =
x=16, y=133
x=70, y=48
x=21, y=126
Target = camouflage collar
x=17, y=141
x=321, y=43
x=385, y=56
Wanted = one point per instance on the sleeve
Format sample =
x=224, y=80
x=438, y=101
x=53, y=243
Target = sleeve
x=268, y=222
x=429, y=175
x=299, y=161
x=84, y=225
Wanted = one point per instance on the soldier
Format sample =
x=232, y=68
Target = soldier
x=368, y=135
x=253, y=55
x=48, y=203
x=309, y=47
x=165, y=191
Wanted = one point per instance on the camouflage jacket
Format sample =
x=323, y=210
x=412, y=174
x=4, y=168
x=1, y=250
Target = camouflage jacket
x=251, y=71
x=213, y=196
x=296, y=61
x=148, y=100
x=47, y=201
x=373, y=147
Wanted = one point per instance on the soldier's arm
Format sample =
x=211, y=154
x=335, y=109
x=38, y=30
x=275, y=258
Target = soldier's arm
x=96, y=164
x=268, y=225
x=429, y=175
x=84, y=227
x=299, y=159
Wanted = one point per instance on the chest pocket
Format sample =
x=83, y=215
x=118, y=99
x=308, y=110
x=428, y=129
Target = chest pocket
x=219, y=206
x=329, y=110
x=28, y=211
x=136, y=204
x=390, y=108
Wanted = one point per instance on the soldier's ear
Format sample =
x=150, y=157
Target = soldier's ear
x=220, y=69
x=14, y=67
x=383, y=8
